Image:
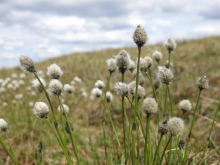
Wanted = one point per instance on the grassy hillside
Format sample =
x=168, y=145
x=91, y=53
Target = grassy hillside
x=191, y=59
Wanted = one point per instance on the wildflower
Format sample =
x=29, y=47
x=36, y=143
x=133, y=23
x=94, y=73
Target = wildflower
x=185, y=106
x=143, y=65
x=111, y=65
x=122, y=61
x=149, y=61
x=181, y=144
x=163, y=128
x=141, y=92
x=27, y=63
x=203, y=83
x=175, y=126
x=68, y=88
x=67, y=127
x=131, y=65
x=65, y=107
x=55, y=87
x=54, y=71
x=121, y=89
x=157, y=84
x=109, y=97
x=3, y=125
x=77, y=79
x=157, y=56
x=140, y=36
x=170, y=44
x=167, y=64
x=131, y=87
x=149, y=105
x=164, y=75
x=96, y=92
x=100, y=84
x=41, y=110
x=36, y=84
x=14, y=76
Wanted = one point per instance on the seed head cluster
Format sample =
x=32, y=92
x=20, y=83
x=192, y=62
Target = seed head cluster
x=170, y=44
x=55, y=87
x=41, y=110
x=131, y=65
x=162, y=130
x=109, y=97
x=111, y=65
x=100, y=84
x=157, y=56
x=175, y=126
x=27, y=63
x=96, y=93
x=122, y=61
x=164, y=75
x=149, y=61
x=68, y=88
x=141, y=92
x=143, y=65
x=140, y=36
x=185, y=106
x=54, y=71
x=3, y=125
x=149, y=105
x=121, y=89
x=203, y=83
x=65, y=108
x=36, y=84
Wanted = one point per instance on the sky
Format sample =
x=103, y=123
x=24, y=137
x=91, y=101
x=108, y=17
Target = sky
x=44, y=29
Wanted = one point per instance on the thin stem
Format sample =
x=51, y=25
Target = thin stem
x=191, y=127
x=152, y=85
x=71, y=134
x=8, y=152
x=146, y=154
x=170, y=100
x=11, y=147
x=170, y=152
x=165, y=103
x=158, y=148
x=213, y=123
x=161, y=159
x=169, y=59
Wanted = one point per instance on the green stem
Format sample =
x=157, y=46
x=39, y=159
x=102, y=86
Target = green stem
x=124, y=128
x=152, y=85
x=170, y=100
x=11, y=147
x=191, y=127
x=8, y=152
x=169, y=59
x=146, y=154
x=170, y=152
x=213, y=123
x=158, y=148
x=161, y=159
x=71, y=134
x=165, y=103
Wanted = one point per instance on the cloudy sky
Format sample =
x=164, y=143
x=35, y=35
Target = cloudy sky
x=44, y=29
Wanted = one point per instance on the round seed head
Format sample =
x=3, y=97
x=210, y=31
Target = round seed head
x=164, y=75
x=157, y=84
x=162, y=130
x=131, y=87
x=122, y=61
x=36, y=84
x=140, y=36
x=41, y=110
x=100, y=84
x=3, y=125
x=181, y=144
x=68, y=88
x=141, y=77
x=121, y=89
x=109, y=97
x=96, y=93
x=54, y=71
x=203, y=83
x=149, y=61
x=131, y=65
x=185, y=106
x=65, y=107
x=67, y=127
x=149, y=105
x=143, y=65
x=27, y=63
x=175, y=126
x=77, y=79
x=157, y=56
x=167, y=64
x=170, y=44
x=141, y=92
x=55, y=87
x=111, y=65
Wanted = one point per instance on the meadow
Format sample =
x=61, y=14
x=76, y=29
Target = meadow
x=190, y=60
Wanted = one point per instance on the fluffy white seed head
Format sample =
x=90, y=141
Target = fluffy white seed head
x=141, y=77
x=36, y=84
x=77, y=79
x=141, y=92
x=3, y=125
x=157, y=84
x=131, y=65
x=175, y=126
x=22, y=76
x=149, y=61
x=170, y=44
x=68, y=88
x=65, y=107
x=54, y=71
x=131, y=87
x=162, y=130
x=121, y=89
x=100, y=84
x=111, y=65
x=122, y=61
x=140, y=36
x=55, y=87
x=96, y=93
x=149, y=105
x=164, y=75
x=167, y=64
x=143, y=65
x=41, y=110
x=185, y=106
x=27, y=63
x=157, y=56
x=14, y=76
x=21, y=82
x=109, y=97
x=203, y=83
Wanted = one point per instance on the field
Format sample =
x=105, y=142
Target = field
x=191, y=60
